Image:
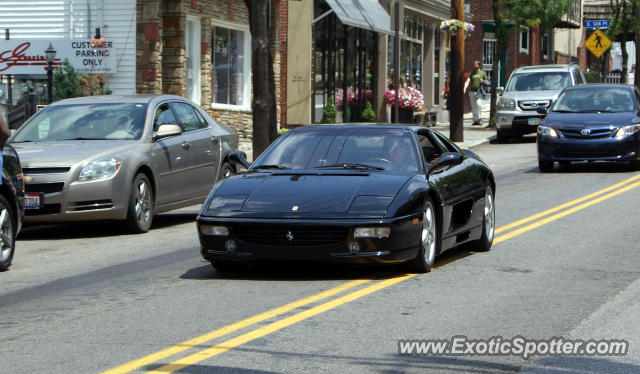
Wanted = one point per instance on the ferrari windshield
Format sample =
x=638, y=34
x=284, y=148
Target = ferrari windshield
x=595, y=99
x=112, y=121
x=385, y=150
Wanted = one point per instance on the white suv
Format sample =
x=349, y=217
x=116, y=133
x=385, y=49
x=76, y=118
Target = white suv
x=528, y=88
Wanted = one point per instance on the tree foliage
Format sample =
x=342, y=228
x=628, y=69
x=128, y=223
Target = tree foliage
x=68, y=83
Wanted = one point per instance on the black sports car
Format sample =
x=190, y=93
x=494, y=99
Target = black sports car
x=351, y=193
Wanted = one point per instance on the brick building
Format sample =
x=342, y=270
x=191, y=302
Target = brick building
x=526, y=46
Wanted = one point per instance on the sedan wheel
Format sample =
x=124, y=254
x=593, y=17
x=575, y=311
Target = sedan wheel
x=545, y=166
x=140, y=213
x=7, y=234
x=428, y=241
x=226, y=170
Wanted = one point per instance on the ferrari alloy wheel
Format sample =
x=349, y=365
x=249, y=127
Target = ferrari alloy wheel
x=488, y=222
x=7, y=234
x=428, y=241
x=140, y=213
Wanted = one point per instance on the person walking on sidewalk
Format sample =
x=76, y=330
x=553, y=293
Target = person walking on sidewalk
x=473, y=84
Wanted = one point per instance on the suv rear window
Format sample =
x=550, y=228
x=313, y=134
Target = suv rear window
x=539, y=81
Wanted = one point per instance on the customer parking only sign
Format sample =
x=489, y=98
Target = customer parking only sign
x=28, y=56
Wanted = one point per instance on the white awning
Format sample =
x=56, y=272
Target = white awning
x=365, y=14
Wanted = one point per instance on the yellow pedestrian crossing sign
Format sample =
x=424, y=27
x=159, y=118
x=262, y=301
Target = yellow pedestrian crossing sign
x=597, y=43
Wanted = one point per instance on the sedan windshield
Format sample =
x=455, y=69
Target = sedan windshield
x=539, y=81
x=113, y=121
x=382, y=150
x=595, y=99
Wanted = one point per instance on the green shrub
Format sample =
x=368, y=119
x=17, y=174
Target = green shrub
x=282, y=130
x=368, y=115
x=592, y=76
x=68, y=83
x=329, y=112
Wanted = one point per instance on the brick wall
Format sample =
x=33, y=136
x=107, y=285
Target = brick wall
x=148, y=47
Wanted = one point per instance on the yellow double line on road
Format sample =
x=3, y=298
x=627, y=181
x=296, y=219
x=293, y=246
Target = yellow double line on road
x=537, y=219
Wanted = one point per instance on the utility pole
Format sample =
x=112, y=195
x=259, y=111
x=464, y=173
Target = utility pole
x=457, y=75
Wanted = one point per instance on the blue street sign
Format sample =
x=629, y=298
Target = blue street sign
x=597, y=24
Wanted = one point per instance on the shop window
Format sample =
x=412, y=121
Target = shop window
x=231, y=67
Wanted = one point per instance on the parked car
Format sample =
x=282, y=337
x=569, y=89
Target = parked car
x=528, y=88
x=359, y=194
x=120, y=158
x=590, y=122
x=11, y=205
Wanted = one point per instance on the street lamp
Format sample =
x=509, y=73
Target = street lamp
x=50, y=54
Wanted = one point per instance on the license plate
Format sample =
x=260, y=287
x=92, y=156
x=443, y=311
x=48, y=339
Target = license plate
x=534, y=121
x=32, y=201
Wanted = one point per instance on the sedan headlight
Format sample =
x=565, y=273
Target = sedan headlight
x=371, y=232
x=627, y=130
x=547, y=131
x=100, y=169
x=506, y=104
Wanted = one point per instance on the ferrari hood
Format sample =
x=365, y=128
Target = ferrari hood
x=283, y=195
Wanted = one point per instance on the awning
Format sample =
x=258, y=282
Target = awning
x=365, y=14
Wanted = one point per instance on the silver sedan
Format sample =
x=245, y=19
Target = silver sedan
x=120, y=158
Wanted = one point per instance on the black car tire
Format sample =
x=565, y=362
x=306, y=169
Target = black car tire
x=7, y=234
x=226, y=170
x=545, y=166
x=488, y=223
x=429, y=241
x=503, y=137
x=140, y=210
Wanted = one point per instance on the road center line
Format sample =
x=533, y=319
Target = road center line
x=565, y=205
x=298, y=317
x=554, y=217
x=188, y=344
x=277, y=325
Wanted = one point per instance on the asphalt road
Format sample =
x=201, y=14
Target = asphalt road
x=87, y=299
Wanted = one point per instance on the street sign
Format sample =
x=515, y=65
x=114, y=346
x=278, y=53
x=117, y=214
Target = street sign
x=597, y=24
x=597, y=43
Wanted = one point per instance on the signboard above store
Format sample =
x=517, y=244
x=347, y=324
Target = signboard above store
x=597, y=24
x=28, y=57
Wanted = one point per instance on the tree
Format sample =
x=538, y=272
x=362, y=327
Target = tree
x=623, y=21
x=456, y=85
x=68, y=83
x=543, y=13
x=263, y=104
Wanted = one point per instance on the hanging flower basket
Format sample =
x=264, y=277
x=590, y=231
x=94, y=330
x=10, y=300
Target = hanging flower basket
x=453, y=26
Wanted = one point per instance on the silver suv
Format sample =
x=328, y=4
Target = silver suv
x=528, y=88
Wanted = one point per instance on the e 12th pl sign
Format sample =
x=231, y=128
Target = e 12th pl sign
x=597, y=24
x=28, y=57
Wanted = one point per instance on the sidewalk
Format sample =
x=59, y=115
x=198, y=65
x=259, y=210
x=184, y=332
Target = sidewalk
x=473, y=135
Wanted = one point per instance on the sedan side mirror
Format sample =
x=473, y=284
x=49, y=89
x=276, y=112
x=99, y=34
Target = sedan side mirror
x=239, y=158
x=541, y=110
x=167, y=129
x=446, y=159
x=499, y=90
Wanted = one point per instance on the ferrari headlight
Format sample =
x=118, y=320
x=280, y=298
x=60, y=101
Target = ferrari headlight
x=547, y=131
x=100, y=169
x=627, y=130
x=214, y=230
x=371, y=232
x=506, y=104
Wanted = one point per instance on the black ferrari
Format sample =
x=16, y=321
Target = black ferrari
x=362, y=194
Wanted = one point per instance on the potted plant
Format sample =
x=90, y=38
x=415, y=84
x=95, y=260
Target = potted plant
x=409, y=100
